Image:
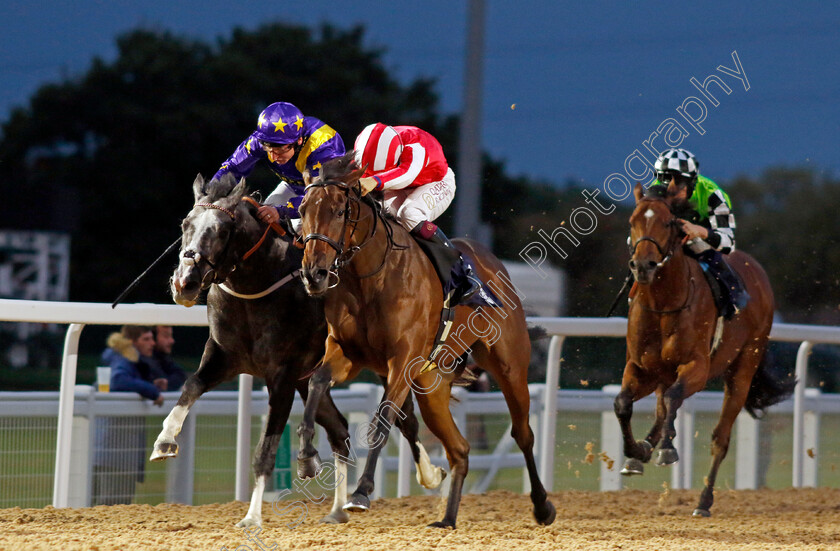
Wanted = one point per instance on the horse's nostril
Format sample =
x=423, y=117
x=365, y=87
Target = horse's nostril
x=321, y=274
x=633, y=264
x=651, y=264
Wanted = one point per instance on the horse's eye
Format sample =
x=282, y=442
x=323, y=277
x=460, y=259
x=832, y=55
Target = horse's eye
x=339, y=214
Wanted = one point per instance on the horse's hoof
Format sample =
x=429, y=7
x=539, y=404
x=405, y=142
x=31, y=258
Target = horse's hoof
x=336, y=517
x=309, y=467
x=633, y=467
x=164, y=451
x=701, y=513
x=247, y=522
x=667, y=456
x=443, y=524
x=548, y=515
x=357, y=503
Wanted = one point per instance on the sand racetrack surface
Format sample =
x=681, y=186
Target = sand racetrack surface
x=630, y=519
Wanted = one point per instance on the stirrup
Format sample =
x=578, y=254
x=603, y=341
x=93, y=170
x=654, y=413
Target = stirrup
x=475, y=287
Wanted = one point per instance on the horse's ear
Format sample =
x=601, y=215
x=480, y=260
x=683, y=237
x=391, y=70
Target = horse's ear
x=638, y=192
x=307, y=178
x=198, y=188
x=354, y=176
x=239, y=191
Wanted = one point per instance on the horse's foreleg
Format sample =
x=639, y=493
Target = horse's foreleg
x=634, y=385
x=655, y=434
x=280, y=401
x=736, y=388
x=212, y=371
x=429, y=476
x=377, y=438
x=434, y=407
x=309, y=464
x=334, y=362
x=691, y=378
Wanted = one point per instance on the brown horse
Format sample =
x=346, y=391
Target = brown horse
x=383, y=302
x=670, y=329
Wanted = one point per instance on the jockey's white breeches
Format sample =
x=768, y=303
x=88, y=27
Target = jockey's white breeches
x=412, y=206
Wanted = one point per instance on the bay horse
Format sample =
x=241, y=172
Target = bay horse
x=261, y=322
x=383, y=301
x=670, y=330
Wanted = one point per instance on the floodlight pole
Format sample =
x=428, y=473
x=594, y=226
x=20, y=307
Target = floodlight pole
x=468, y=177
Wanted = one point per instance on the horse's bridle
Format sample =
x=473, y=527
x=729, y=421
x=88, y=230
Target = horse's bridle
x=673, y=239
x=344, y=256
x=665, y=254
x=214, y=275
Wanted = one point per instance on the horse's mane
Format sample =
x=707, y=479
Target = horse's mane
x=339, y=167
x=219, y=188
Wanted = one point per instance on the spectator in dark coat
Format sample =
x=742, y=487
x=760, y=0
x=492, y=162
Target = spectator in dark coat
x=119, y=455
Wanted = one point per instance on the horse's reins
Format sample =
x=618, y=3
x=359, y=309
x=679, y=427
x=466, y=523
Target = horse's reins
x=218, y=280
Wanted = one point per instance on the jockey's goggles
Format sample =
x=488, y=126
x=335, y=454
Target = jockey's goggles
x=666, y=176
x=267, y=146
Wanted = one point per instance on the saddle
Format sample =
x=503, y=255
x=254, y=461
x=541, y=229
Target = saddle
x=452, y=275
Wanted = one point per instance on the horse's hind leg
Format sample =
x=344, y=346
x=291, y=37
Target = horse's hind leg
x=280, y=398
x=736, y=389
x=213, y=370
x=513, y=382
x=634, y=386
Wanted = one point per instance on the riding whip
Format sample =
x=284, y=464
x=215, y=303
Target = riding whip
x=620, y=293
x=134, y=283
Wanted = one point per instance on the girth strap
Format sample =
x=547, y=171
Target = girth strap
x=447, y=318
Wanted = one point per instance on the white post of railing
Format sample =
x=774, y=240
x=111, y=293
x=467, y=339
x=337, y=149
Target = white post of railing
x=403, y=466
x=180, y=474
x=549, y=421
x=61, y=485
x=243, y=439
x=685, y=445
x=799, y=411
x=613, y=445
x=678, y=468
x=746, y=452
x=811, y=444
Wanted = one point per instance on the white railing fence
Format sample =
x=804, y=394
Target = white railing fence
x=805, y=408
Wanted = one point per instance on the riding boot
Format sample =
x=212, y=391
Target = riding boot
x=731, y=284
x=471, y=285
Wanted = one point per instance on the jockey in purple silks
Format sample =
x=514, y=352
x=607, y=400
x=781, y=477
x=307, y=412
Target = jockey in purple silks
x=291, y=143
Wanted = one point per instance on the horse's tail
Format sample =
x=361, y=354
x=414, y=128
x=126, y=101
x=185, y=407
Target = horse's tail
x=537, y=332
x=768, y=387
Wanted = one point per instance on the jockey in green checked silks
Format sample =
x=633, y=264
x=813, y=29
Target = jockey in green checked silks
x=707, y=220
